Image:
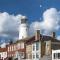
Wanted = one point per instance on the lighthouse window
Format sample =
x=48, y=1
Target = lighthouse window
x=23, y=20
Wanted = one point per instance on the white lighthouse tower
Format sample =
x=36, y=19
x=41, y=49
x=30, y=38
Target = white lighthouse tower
x=23, y=28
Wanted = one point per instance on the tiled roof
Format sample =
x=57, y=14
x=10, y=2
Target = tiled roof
x=3, y=49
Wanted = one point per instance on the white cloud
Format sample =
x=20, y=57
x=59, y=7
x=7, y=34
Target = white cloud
x=50, y=23
x=9, y=24
x=58, y=37
x=3, y=45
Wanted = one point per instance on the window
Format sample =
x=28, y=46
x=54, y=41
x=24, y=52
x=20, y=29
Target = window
x=12, y=48
x=8, y=49
x=35, y=51
x=18, y=46
x=37, y=45
x=21, y=45
x=33, y=47
x=37, y=55
x=12, y=54
x=33, y=56
x=22, y=54
x=23, y=20
x=58, y=55
x=55, y=55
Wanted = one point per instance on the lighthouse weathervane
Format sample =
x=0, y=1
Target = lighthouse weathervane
x=23, y=28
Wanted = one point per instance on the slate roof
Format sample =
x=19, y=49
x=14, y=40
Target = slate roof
x=42, y=38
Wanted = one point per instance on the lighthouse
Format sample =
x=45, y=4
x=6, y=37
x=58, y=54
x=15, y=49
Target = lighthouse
x=23, y=28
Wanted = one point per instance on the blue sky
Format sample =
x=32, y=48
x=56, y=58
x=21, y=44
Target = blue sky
x=29, y=8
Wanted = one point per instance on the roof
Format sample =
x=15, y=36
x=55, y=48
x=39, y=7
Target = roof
x=42, y=38
x=23, y=40
x=29, y=40
x=3, y=49
x=46, y=38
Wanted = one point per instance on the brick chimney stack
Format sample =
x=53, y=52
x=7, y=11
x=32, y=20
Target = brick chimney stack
x=53, y=35
x=37, y=35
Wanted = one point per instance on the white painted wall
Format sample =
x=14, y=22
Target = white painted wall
x=55, y=51
x=3, y=54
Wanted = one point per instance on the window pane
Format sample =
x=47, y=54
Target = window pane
x=55, y=55
x=8, y=49
x=58, y=55
x=23, y=20
x=37, y=45
x=37, y=55
x=33, y=47
x=33, y=56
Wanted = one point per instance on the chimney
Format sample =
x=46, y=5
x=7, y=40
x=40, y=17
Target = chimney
x=53, y=35
x=37, y=35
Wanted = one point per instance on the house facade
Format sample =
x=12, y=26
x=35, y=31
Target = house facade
x=56, y=54
x=40, y=45
x=17, y=48
x=3, y=53
x=34, y=48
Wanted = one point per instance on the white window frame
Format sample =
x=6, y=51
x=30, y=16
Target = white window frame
x=35, y=51
x=56, y=56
